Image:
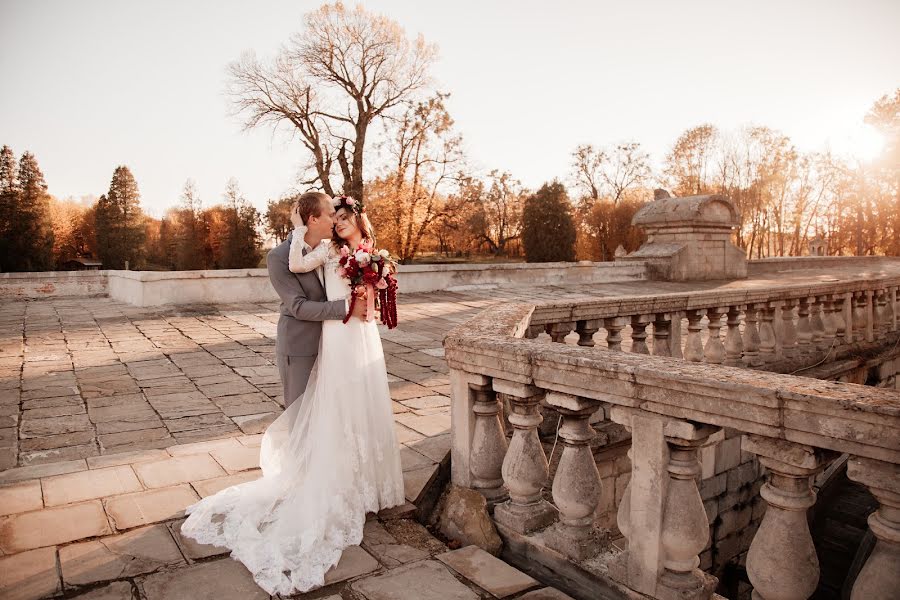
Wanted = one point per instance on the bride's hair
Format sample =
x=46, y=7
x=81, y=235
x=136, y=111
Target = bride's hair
x=360, y=218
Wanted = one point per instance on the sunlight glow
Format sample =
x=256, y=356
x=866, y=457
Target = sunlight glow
x=864, y=144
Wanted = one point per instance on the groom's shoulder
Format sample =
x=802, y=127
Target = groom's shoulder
x=280, y=251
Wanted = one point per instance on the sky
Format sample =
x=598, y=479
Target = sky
x=87, y=85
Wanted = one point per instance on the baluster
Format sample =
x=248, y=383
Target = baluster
x=661, y=329
x=614, y=327
x=559, y=331
x=533, y=331
x=734, y=346
x=751, y=336
x=685, y=526
x=488, y=445
x=881, y=327
x=859, y=301
x=639, y=334
x=804, y=331
x=817, y=324
x=782, y=562
x=586, y=331
x=714, y=351
x=675, y=334
x=891, y=309
x=879, y=579
x=829, y=322
x=768, y=350
x=693, y=349
x=525, y=469
x=661, y=512
x=840, y=321
x=576, y=486
x=788, y=329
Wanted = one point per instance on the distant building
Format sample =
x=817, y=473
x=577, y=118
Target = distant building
x=82, y=264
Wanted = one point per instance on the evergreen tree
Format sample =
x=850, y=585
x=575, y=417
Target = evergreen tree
x=242, y=245
x=548, y=229
x=29, y=238
x=9, y=189
x=190, y=231
x=121, y=232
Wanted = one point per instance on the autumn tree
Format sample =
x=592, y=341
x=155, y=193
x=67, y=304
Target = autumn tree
x=689, y=162
x=241, y=245
x=73, y=230
x=415, y=193
x=120, y=223
x=189, y=227
x=29, y=231
x=497, y=218
x=278, y=218
x=345, y=70
x=610, y=173
x=548, y=229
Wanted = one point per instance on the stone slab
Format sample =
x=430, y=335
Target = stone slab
x=87, y=485
x=487, y=571
x=416, y=482
x=117, y=590
x=546, y=594
x=208, y=487
x=213, y=580
x=237, y=459
x=52, y=526
x=179, y=469
x=202, y=447
x=29, y=575
x=126, y=458
x=136, y=552
x=20, y=497
x=153, y=506
x=192, y=549
x=424, y=580
x=354, y=562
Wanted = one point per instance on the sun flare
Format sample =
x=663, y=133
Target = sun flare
x=864, y=144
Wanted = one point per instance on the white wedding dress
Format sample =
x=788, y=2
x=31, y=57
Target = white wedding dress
x=330, y=458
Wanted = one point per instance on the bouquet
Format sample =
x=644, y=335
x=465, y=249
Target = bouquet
x=373, y=270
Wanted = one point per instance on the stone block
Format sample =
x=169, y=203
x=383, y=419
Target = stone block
x=715, y=486
x=192, y=549
x=202, y=447
x=417, y=481
x=354, y=562
x=87, y=485
x=423, y=580
x=257, y=422
x=179, y=469
x=428, y=425
x=20, y=497
x=37, y=471
x=213, y=580
x=237, y=459
x=117, y=590
x=61, y=440
x=464, y=518
x=126, y=458
x=410, y=459
x=435, y=447
x=153, y=506
x=488, y=572
x=136, y=552
x=733, y=521
x=208, y=487
x=29, y=575
x=52, y=526
x=742, y=475
x=728, y=454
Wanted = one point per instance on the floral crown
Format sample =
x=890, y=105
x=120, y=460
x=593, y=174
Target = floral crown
x=349, y=203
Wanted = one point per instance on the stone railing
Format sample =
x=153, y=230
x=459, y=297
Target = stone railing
x=676, y=411
x=781, y=328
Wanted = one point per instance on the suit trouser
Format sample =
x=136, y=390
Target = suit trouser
x=294, y=372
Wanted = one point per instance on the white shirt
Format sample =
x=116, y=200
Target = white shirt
x=320, y=272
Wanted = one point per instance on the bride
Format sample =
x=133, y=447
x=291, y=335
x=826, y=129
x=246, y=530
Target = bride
x=327, y=460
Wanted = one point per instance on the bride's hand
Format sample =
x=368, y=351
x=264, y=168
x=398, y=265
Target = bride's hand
x=296, y=219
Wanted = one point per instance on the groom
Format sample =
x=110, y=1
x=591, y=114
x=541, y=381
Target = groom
x=304, y=304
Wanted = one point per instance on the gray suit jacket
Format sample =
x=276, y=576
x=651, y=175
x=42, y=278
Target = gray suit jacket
x=303, y=305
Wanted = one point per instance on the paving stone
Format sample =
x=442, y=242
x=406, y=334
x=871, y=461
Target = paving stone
x=410, y=459
x=110, y=441
x=206, y=433
x=203, y=447
x=208, y=487
x=435, y=447
x=130, y=411
x=426, y=425
x=29, y=575
x=394, y=555
x=37, y=471
x=427, y=402
x=354, y=562
x=547, y=593
x=256, y=423
x=179, y=469
x=87, y=485
x=62, y=440
x=405, y=435
x=251, y=440
x=186, y=404
x=405, y=390
x=416, y=482
x=55, y=411
x=487, y=571
x=206, y=421
x=227, y=389
x=192, y=549
x=126, y=458
x=237, y=459
x=52, y=526
x=153, y=506
x=424, y=580
x=52, y=402
x=136, y=552
x=117, y=590
x=213, y=580
x=20, y=497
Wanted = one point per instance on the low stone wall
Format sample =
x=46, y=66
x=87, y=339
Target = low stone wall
x=153, y=288
x=52, y=284
x=764, y=266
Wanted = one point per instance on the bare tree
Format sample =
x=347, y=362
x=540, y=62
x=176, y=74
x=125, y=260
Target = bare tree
x=687, y=165
x=344, y=70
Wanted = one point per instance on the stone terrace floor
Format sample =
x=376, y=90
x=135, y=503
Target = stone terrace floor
x=114, y=418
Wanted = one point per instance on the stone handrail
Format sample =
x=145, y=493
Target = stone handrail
x=795, y=426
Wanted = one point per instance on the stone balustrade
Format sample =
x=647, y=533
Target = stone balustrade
x=781, y=328
x=680, y=400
